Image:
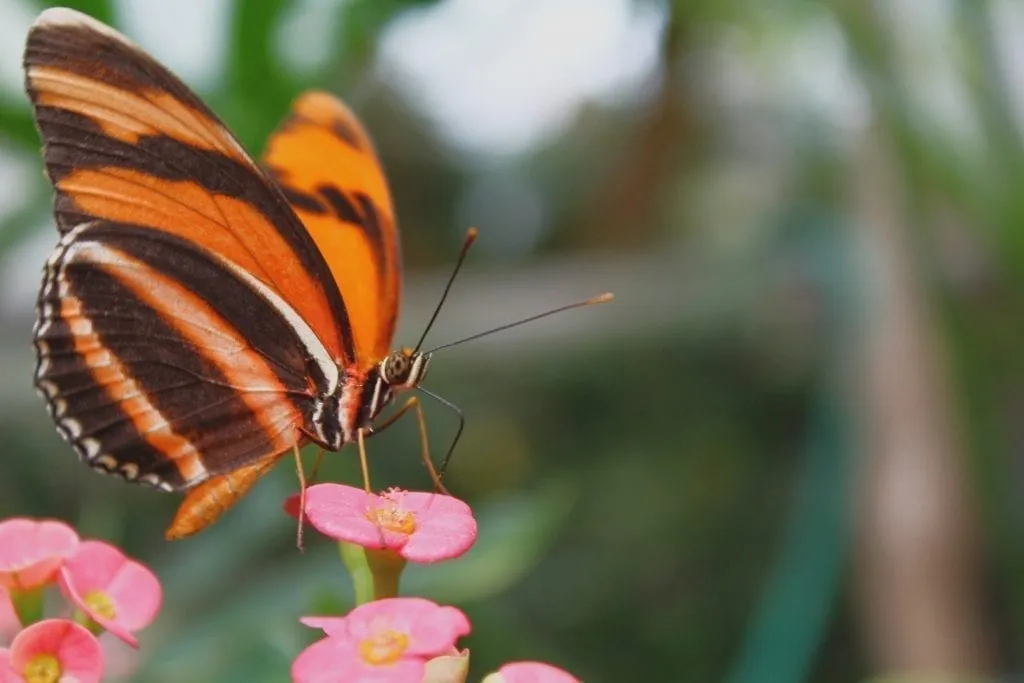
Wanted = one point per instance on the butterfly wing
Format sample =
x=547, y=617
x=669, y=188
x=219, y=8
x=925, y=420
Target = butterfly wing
x=167, y=363
x=326, y=166
x=127, y=142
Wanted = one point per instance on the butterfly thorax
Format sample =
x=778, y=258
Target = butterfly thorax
x=361, y=395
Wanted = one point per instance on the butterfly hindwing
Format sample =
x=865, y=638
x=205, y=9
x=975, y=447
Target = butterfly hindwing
x=167, y=364
x=326, y=166
x=125, y=141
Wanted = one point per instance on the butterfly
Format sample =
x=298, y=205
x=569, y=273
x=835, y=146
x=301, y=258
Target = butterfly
x=203, y=314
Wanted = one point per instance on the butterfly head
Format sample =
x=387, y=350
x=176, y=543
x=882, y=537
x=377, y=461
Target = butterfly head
x=400, y=371
x=404, y=369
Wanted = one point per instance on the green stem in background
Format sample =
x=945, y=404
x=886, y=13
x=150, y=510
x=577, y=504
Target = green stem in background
x=28, y=604
x=80, y=617
x=790, y=624
x=375, y=573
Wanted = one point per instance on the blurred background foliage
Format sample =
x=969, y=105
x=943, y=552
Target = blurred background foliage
x=791, y=449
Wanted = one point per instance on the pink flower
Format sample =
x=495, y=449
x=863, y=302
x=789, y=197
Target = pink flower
x=9, y=622
x=421, y=527
x=31, y=551
x=384, y=641
x=7, y=672
x=117, y=593
x=530, y=672
x=54, y=650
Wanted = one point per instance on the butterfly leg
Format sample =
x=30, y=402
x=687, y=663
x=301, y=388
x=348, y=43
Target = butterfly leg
x=361, y=442
x=302, y=496
x=413, y=403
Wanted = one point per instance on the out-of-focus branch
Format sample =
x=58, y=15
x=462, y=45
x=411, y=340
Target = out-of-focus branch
x=916, y=561
x=623, y=210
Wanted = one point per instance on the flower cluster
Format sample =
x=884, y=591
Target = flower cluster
x=386, y=638
x=104, y=590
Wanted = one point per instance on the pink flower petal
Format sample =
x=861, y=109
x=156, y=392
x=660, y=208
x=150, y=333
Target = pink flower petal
x=337, y=660
x=291, y=506
x=341, y=513
x=445, y=528
x=7, y=672
x=439, y=632
x=136, y=592
x=432, y=629
x=329, y=625
x=400, y=613
x=429, y=505
x=78, y=651
x=31, y=551
x=534, y=672
x=9, y=622
x=323, y=661
x=94, y=564
x=133, y=590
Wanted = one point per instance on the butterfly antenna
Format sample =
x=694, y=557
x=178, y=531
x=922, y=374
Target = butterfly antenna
x=599, y=299
x=466, y=244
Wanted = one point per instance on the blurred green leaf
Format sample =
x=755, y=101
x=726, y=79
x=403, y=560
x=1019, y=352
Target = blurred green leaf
x=259, y=91
x=16, y=125
x=20, y=224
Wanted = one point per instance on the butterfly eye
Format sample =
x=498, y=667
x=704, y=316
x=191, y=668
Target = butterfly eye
x=396, y=368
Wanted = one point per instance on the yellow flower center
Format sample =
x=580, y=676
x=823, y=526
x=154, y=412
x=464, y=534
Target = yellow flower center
x=383, y=647
x=100, y=603
x=391, y=516
x=43, y=668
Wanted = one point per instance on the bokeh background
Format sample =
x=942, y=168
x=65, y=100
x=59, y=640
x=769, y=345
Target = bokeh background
x=790, y=450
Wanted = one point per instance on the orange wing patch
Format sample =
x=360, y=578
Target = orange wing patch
x=128, y=115
x=186, y=209
x=327, y=168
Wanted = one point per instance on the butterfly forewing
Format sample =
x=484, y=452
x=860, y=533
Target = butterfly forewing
x=326, y=165
x=126, y=141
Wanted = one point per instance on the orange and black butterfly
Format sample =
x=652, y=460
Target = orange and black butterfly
x=191, y=322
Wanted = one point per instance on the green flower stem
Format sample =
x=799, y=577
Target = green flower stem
x=80, y=617
x=354, y=558
x=387, y=566
x=375, y=573
x=28, y=604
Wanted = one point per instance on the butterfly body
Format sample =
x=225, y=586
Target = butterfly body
x=360, y=397
x=204, y=314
